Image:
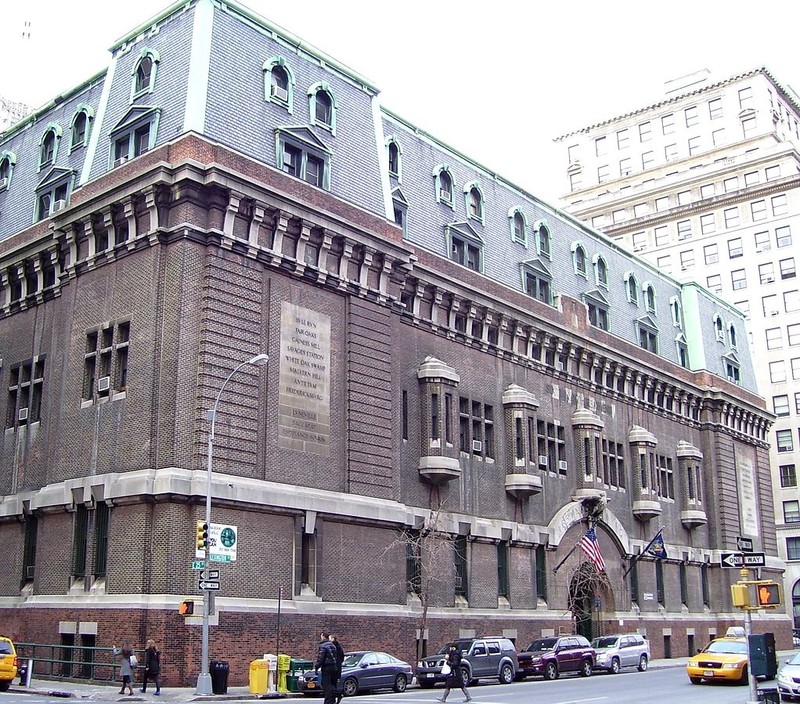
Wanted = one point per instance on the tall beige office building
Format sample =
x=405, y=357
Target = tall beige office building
x=706, y=185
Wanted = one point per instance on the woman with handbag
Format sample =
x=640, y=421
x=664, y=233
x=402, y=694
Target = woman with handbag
x=455, y=677
x=127, y=663
x=152, y=667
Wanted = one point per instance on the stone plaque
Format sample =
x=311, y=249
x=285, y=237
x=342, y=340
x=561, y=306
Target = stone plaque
x=304, y=402
x=748, y=513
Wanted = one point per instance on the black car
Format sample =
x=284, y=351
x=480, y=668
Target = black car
x=362, y=671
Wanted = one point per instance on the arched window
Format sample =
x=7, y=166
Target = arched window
x=322, y=106
x=394, y=154
x=517, y=224
x=600, y=271
x=443, y=184
x=7, y=161
x=279, y=82
x=579, y=259
x=474, y=201
x=719, y=329
x=542, y=238
x=144, y=72
x=675, y=310
x=732, y=336
x=81, y=127
x=632, y=288
x=650, y=298
x=48, y=148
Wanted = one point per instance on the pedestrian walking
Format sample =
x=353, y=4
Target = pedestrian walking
x=455, y=678
x=127, y=663
x=152, y=667
x=339, y=661
x=327, y=667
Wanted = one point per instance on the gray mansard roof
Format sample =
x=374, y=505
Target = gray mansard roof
x=211, y=76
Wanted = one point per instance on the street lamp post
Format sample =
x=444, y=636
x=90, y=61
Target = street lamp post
x=204, y=680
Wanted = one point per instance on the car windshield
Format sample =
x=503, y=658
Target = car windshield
x=604, y=642
x=462, y=645
x=794, y=660
x=727, y=646
x=543, y=644
x=5, y=647
x=352, y=659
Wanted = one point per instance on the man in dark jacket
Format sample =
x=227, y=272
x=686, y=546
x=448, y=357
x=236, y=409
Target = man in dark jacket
x=339, y=660
x=326, y=665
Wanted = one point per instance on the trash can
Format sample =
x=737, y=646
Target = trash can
x=259, y=676
x=284, y=663
x=296, y=670
x=219, y=676
x=770, y=695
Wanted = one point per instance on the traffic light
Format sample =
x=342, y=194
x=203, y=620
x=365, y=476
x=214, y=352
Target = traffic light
x=740, y=596
x=186, y=608
x=768, y=594
x=202, y=535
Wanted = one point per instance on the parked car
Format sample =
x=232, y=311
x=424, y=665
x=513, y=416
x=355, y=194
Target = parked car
x=549, y=657
x=8, y=663
x=492, y=656
x=789, y=679
x=363, y=671
x=722, y=659
x=614, y=652
x=796, y=637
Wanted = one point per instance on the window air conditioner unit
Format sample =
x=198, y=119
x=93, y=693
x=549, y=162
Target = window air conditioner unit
x=640, y=248
x=444, y=195
x=3, y=182
x=104, y=383
x=769, y=279
x=562, y=465
x=543, y=460
x=121, y=161
x=279, y=93
x=625, y=172
x=477, y=446
x=774, y=312
x=59, y=205
x=560, y=366
x=23, y=414
x=29, y=571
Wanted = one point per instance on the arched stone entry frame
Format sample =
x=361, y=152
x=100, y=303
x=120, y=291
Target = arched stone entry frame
x=591, y=598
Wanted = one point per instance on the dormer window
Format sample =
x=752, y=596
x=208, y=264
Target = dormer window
x=144, y=73
x=650, y=298
x=81, y=121
x=474, y=202
x=517, y=225
x=7, y=161
x=600, y=271
x=443, y=183
x=322, y=106
x=278, y=82
x=48, y=148
x=579, y=259
x=542, y=238
x=394, y=154
x=632, y=288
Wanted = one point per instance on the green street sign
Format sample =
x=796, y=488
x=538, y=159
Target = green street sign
x=198, y=564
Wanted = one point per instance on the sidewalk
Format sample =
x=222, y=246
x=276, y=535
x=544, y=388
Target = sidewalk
x=178, y=695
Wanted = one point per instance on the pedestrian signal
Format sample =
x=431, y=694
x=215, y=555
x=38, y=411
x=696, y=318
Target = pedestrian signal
x=769, y=594
x=202, y=535
x=186, y=608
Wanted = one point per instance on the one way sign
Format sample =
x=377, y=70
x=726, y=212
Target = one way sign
x=730, y=559
x=736, y=559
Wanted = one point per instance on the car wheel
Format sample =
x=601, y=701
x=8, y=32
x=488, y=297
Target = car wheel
x=551, y=671
x=586, y=668
x=466, y=676
x=743, y=679
x=350, y=687
x=400, y=683
x=506, y=674
x=642, y=667
x=695, y=680
x=615, y=668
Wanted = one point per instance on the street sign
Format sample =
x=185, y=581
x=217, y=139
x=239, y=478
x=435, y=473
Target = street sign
x=744, y=544
x=198, y=564
x=206, y=586
x=754, y=559
x=209, y=574
x=730, y=559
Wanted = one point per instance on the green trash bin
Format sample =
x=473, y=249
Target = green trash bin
x=296, y=670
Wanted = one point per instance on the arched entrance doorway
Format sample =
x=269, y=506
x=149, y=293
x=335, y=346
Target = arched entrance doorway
x=796, y=604
x=589, y=597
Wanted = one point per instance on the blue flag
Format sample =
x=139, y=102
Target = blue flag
x=656, y=547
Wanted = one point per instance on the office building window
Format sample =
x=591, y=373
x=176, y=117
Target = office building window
x=662, y=204
x=600, y=146
x=731, y=217
x=762, y=241
x=714, y=283
x=708, y=224
x=780, y=205
x=648, y=338
x=748, y=127
x=794, y=363
x=603, y=173
x=780, y=405
x=645, y=132
x=788, y=476
x=718, y=137
x=24, y=400
x=783, y=236
x=731, y=184
x=772, y=172
x=715, y=108
x=664, y=263
x=691, y=116
x=751, y=178
x=774, y=338
x=661, y=235
x=777, y=371
x=687, y=259
x=758, y=210
x=623, y=139
x=793, y=548
x=668, y=124
x=639, y=241
x=743, y=306
x=793, y=334
x=766, y=273
x=784, y=440
x=791, y=301
x=684, y=197
x=787, y=268
x=738, y=279
x=538, y=284
x=710, y=254
x=647, y=160
x=466, y=252
x=707, y=190
x=670, y=152
x=694, y=145
x=684, y=229
x=745, y=98
x=625, y=167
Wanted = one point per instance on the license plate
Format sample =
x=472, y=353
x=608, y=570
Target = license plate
x=430, y=674
x=311, y=685
x=708, y=673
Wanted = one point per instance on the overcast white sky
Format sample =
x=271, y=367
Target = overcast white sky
x=498, y=79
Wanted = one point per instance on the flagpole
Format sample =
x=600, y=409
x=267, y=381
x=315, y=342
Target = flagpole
x=637, y=557
x=555, y=569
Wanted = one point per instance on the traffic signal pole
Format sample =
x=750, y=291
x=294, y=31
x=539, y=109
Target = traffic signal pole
x=752, y=685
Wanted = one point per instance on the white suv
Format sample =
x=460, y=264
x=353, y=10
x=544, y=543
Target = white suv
x=622, y=650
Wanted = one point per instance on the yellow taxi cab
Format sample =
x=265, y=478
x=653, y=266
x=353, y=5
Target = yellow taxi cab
x=722, y=659
x=8, y=663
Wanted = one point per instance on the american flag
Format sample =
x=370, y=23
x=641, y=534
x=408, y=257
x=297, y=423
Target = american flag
x=591, y=548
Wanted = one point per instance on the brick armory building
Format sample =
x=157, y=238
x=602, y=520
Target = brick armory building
x=457, y=370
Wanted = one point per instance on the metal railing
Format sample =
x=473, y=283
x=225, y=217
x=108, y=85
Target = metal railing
x=72, y=662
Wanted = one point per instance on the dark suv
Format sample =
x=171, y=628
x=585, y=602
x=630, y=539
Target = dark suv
x=492, y=656
x=549, y=657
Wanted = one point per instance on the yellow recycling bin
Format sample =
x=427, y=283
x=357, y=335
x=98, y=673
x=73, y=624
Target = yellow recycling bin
x=259, y=676
x=284, y=662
